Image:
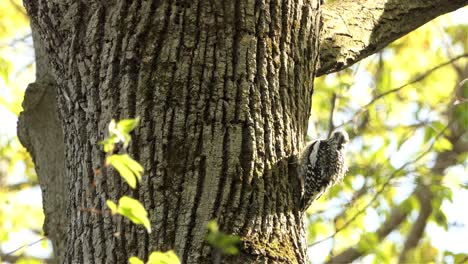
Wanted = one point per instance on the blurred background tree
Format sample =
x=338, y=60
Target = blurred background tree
x=406, y=109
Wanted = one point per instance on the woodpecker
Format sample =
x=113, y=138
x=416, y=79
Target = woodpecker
x=322, y=164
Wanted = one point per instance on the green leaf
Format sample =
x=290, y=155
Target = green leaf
x=169, y=257
x=460, y=258
x=127, y=125
x=212, y=226
x=429, y=133
x=225, y=243
x=440, y=219
x=127, y=167
x=438, y=126
x=367, y=243
x=121, y=130
x=409, y=204
x=134, y=210
x=442, y=193
x=442, y=144
x=5, y=68
x=109, y=143
x=112, y=206
x=461, y=113
x=135, y=260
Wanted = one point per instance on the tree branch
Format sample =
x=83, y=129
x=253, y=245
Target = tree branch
x=24, y=258
x=418, y=78
x=394, y=220
x=19, y=186
x=331, y=125
x=353, y=30
x=4, y=256
x=425, y=197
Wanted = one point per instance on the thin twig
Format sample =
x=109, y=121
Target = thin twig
x=25, y=246
x=415, y=80
x=459, y=99
x=19, y=186
x=19, y=8
x=93, y=210
x=13, y=42
x=331, y=126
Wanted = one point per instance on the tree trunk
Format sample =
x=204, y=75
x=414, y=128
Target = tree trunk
x=223, y=91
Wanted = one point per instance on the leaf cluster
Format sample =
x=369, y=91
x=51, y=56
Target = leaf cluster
x=406, y=111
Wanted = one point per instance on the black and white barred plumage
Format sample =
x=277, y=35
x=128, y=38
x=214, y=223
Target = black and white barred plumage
x=322, y=164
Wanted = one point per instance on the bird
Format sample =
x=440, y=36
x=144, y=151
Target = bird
x=322, y=164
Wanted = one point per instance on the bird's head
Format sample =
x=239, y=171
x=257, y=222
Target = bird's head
x=340, y=138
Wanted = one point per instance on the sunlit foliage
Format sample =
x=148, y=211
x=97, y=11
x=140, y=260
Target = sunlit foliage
x=407, y=111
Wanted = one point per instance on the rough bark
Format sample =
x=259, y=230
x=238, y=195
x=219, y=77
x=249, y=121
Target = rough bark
x=223, y=91
x=39, y=130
